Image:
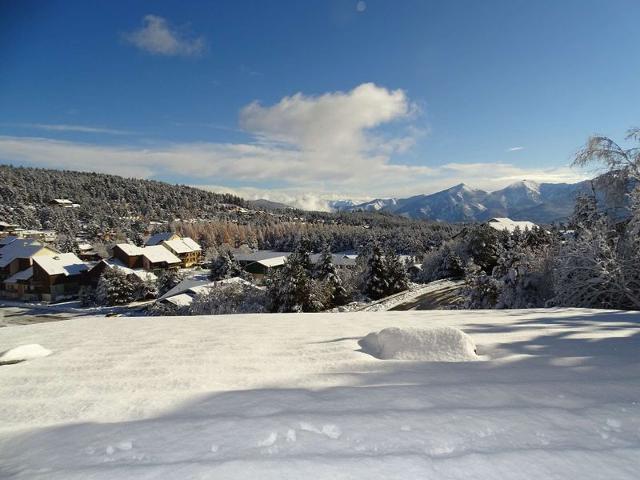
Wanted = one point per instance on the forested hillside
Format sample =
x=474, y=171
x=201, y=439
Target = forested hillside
x=113, y=208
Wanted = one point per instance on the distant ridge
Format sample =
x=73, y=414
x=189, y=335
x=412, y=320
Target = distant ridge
x=523, y=200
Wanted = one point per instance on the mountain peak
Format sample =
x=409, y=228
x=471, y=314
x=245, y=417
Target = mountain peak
x=528, y=184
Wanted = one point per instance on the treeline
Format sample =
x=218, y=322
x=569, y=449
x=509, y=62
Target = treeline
x=116, y=209
x=340, y=231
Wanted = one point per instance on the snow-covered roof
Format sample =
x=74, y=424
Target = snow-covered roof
x=130, y=249
x=182, y=245
x=506, y=224
x=85, y=247
x=66, y=264
x=336, y=258
x=22, y=275
x=21, y=248
x=153, y=253
x=158, y=253
x=158, y=238
x=62, y=201
x=197, y=285
x=181, y=300
x=259, y=255
x=138, y=272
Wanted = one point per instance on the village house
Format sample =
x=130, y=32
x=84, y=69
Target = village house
x=63, y=202
x=259, y=263
x=508, y=225
x=152, y=258
x=57, y=277
x=185, y=248
x=92, y=277
x=18, y=255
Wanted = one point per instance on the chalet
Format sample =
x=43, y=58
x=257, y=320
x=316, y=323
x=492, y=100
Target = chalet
x=158, y=238
x=95, y=272
x=19, y=254
x=152, y=258
x=130, y=255
x=182, y=295
x=58, y=276
x=157, y=257
x=63, y=202
x=508, y=225
x=185, y=248
x=6, y=228
x=19, y=286
x=259, y=263
x=87, y=253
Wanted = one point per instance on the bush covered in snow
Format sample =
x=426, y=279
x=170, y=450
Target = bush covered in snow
x=229, y=298
x=436, y=344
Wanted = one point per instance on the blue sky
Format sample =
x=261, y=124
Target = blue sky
x=308, y=100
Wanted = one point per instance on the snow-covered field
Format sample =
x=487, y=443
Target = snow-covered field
x=555, y=394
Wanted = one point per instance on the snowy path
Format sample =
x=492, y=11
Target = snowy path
x=289, y=396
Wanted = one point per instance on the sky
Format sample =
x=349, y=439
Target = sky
x=308, y=101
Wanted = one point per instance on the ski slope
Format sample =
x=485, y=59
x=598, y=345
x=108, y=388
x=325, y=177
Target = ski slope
x=555, y=394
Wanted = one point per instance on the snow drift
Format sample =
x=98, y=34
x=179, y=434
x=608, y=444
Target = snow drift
x=24, y=352
x=437, y=344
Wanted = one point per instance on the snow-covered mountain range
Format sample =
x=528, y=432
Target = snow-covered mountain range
x=524, y=200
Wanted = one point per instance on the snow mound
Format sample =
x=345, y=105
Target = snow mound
x=437, y=344
x=24, y=352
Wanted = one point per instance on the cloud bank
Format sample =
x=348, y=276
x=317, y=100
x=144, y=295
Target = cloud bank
x=313, y=148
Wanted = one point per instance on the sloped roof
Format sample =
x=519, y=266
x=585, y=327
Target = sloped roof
x=7, y=240
x=21, y=248
x=22, y=275
x=197, y=285
x=259, y=255
x=138, y=272
x=66, y=264
x=130, y=249
x=504, y=223
x=158, y=238
x=182, y=245
x=180, y=300
x=158, y=253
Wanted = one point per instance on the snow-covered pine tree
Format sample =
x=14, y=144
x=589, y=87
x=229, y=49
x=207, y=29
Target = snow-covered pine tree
x=167, y=280
x=481, y=290
x=325, y=266
x=114, y=288
x=290, y=289
x=375, y=281
x=396, y=274
x=226, y=266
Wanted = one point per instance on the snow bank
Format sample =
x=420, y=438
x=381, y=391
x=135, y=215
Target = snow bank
x=437, y=344
x=24, y=352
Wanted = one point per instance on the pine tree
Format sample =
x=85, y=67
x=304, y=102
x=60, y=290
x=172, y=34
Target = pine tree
x=375, y=275
x=167, y=280
x=396, y=274
x=114, y=288
x=225, y=266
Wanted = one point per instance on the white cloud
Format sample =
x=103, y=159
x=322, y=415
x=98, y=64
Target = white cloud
x=157, y=37
x=515, y=149
x=69, y=128
x=315, y=148
x=361, y=6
